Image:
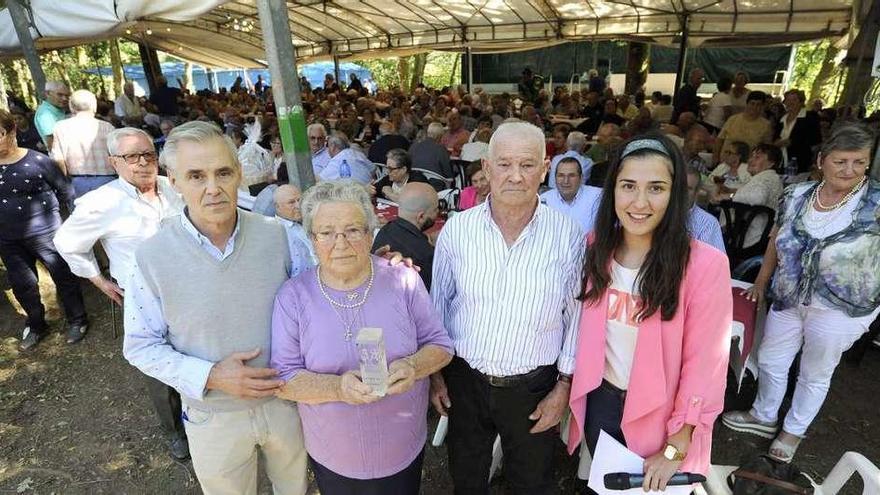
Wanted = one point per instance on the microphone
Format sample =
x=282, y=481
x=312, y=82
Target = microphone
x=625, y=481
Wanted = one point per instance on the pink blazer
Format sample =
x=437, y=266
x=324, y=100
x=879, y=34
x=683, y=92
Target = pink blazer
x=679, y=369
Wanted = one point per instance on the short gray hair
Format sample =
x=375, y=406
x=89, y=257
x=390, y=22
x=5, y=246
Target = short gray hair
x=576, y=141
x=338, y=140
x=522, y=131
x=316, y=125
x=55, y=85
x=116, y=134
x=435, y=130
x=193, y=132
x=83, y=100
x=345, y=191
x=848, y=136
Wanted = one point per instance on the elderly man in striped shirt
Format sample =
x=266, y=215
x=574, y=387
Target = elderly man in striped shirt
x=506, y=276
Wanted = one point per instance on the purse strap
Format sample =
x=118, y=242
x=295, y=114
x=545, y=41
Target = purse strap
x=785, y=485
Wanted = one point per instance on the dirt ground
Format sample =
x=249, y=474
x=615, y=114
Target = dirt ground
x=76, y=419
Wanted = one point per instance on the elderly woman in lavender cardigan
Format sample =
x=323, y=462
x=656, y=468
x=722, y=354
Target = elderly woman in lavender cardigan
x=358, y=443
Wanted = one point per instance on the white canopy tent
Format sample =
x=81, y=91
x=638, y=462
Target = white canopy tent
x=220, y=33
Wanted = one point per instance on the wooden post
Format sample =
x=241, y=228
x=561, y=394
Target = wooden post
x=22, y=23
x=682, y=52
x=281, y=56
x=116, y=65
x=150, y=61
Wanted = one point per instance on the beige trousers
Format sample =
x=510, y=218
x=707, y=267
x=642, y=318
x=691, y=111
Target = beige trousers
x=223, y=446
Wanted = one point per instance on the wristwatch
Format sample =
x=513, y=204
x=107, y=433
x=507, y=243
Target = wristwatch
x=671, y=453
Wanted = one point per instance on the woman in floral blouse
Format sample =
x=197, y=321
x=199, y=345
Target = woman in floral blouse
x=825, y=250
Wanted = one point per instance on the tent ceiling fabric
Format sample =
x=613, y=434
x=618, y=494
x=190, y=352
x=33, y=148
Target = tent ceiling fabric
x=204, y=30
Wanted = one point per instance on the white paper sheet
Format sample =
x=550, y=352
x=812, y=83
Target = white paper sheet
x=612, y=457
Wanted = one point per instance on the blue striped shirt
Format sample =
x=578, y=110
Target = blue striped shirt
x=704, y=227
x=510, y=309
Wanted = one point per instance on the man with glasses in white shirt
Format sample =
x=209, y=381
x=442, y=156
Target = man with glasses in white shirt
x=505, y=280
x=121, y=215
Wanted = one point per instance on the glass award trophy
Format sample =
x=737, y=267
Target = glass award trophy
x=371, y=354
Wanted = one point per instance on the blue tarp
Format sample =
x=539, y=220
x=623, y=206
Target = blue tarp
x=314, y=72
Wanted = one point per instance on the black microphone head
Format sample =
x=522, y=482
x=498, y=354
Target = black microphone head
x=617, y=481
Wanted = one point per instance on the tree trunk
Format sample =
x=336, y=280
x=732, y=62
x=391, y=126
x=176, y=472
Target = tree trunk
x=4, y=105
x=636, y=67
x=403, y=71
x=116, y=65
x=57, y=64
x=454, y=68
x=94, y=51
x=418, y=73
x=18, y=73
x=187, y=75
x=825, y=72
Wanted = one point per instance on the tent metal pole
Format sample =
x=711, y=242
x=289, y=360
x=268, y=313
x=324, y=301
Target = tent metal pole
x=470, y=68
x=682, y=52
x=336, y=70
x=22, y=24
x=285, y=88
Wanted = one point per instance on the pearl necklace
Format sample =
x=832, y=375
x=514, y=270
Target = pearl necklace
x=843, y=200
x=351, y=296
x=354, y=308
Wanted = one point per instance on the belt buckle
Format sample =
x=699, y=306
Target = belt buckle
x=495, y=381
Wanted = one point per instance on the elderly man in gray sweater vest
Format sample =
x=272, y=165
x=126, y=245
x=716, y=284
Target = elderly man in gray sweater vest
x=198, y=311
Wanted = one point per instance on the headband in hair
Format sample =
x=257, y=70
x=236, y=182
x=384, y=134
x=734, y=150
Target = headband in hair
x=644, y=144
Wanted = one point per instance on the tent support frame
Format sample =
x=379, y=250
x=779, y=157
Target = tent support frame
x=682, y=51
x=285, y=88
x=22, y=23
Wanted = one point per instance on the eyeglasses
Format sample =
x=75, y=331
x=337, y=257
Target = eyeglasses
x=351, y=234
x=391, y=169
x=135, y=158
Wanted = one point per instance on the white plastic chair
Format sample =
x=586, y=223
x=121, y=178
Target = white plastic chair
x=431, y=175
x=440, y=436
x=849, y=464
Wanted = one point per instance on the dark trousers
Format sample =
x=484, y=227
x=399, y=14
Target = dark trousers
x=405, y=482
x=604, y=412
x=166, y=401
x=20, y=258
x=479, y=412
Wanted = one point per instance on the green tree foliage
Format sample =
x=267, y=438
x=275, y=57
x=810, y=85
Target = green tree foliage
x=438, y=68
x=816, y=72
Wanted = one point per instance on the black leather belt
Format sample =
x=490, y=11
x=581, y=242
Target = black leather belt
x=515, y=380
x=608, y=387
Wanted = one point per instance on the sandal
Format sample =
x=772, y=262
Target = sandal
x=744, y=422
x=783, y=451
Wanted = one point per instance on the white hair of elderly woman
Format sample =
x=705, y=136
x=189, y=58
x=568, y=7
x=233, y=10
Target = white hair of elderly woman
x=193, y=132
x=83, y=100
x=518, y=132
x=116, y=134
x=335, y=191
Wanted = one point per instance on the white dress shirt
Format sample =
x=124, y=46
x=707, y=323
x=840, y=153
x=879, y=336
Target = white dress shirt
x=586, y=166
x=319, y=161
x=126, y=107
x=360, y=166
x=146, y=330
x=582, y=209
x=118, y=216
x=510, y=309
x=302, y=253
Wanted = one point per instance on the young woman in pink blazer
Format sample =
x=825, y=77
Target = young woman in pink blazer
x=654, y=338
